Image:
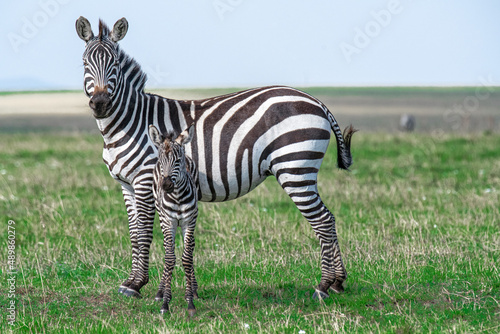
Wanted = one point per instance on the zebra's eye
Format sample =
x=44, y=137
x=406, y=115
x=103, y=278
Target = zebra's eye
x=85, y=63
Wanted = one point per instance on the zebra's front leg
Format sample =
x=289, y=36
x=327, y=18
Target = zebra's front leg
x=141, y=233
x=165, y=288
x=130, y=204
x=187, y=262
x=161, y=287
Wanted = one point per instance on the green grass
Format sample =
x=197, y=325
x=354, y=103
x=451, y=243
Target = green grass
x=417, y=218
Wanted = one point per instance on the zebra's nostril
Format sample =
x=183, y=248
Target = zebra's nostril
x=168, y=184
x=100, y=103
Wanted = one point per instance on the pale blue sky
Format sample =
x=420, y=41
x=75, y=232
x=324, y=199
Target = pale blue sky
x=227, y=43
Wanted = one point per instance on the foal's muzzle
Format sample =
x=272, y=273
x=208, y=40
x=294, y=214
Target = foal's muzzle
x=168, y=184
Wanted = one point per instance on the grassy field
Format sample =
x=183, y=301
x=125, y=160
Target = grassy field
x=417, y=217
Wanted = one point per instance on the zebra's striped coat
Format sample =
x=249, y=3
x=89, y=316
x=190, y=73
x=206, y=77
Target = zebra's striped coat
x=176, y=196
x=239, y=139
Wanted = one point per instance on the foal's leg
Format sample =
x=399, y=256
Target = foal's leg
x=187, y=262
x=165, y=290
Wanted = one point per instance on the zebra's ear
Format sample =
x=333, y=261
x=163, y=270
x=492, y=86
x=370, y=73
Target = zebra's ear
x=155, y=136
x=119, y=30
x=83, y=29
x=186, y=136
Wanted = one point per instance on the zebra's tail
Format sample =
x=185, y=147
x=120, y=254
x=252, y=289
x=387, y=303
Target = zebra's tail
x=344, y=158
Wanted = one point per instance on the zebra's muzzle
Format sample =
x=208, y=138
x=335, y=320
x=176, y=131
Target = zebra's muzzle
x=100, y=104
x=168, y=184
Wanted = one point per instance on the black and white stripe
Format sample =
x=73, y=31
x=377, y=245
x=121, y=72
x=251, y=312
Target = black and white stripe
x=176, y=196
x=239, y=139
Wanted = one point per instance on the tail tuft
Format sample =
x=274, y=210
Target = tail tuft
x=344, y=158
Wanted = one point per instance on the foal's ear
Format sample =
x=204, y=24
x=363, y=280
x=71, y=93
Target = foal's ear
x=119, y=30
x=185, y=136
x=83, y=29
x=155, y=136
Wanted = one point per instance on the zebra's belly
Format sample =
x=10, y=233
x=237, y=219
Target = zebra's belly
x=209, y=191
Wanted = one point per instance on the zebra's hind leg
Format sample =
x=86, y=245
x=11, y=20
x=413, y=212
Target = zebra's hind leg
x=305, y=196
x=333, y=272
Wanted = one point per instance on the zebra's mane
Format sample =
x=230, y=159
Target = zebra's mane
x=130, y=67
x=103, y=30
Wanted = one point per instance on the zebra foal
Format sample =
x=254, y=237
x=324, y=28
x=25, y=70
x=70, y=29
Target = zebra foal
x=175, y=190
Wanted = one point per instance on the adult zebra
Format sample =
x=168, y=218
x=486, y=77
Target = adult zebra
x=239, y=139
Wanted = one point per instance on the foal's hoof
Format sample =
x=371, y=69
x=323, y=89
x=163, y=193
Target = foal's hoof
x=191, y=312
x=122, y=289
x=164, y=311
x=337, y=287
x=131, y=293
x=159, y=296
x=320, y=295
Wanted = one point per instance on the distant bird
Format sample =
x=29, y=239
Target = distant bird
x=407, y=123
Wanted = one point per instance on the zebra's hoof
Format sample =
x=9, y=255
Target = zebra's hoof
x=320, y=295
x=131, y=293
x=159, y=296
x=337, y=287
x=191, y=312
x=164, y=311
x=122, y=289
